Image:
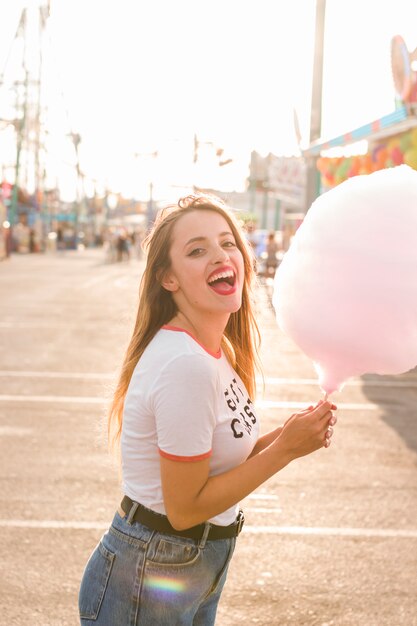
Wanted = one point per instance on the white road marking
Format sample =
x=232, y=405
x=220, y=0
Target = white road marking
x=395, y=533
x=54, y=399
x=41, y=325
x=15, y=431
x=262, y=496
x=369, y=382
x=262, y=404
x=268, y=380
x=335, y=532
x=51, y=524
x=347, y=406
x=260, y=509
x=64, y=375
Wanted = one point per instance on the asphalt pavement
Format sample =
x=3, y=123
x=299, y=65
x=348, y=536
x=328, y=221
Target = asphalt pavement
x=329, y=541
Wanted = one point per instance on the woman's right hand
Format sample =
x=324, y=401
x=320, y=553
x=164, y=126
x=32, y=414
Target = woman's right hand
x=307, y=431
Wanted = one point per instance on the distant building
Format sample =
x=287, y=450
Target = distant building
x=277, y=187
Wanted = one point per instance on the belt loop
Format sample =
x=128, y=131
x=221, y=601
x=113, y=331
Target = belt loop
x=132, y=513
x=239, y=522
x=203, y=539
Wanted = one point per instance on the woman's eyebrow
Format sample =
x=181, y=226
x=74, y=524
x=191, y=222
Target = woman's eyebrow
x=202, y=238
x=193, y=239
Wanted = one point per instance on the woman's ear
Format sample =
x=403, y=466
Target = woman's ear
x=169, y=282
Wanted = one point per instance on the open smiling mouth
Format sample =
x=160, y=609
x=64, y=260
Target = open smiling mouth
x=223, y=283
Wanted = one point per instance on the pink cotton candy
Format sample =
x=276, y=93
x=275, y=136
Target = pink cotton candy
x=346, y=290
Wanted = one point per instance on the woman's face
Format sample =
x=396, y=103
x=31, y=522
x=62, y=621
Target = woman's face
x=207, y=270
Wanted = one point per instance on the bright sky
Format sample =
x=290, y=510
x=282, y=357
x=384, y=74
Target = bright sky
x=137, y=76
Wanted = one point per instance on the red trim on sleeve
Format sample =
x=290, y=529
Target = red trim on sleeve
x=186, y=459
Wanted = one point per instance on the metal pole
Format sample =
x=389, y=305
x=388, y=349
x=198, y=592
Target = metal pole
x=20, y=129
x=20, y=125
x=316, y=102
x=76, y=139
x=252, y=183
x=277, y=220
x=265, y=205
x=150, y=207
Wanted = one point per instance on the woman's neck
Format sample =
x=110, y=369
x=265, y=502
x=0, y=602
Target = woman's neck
x=208, y=332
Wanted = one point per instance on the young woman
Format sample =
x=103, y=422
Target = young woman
x=189, y=435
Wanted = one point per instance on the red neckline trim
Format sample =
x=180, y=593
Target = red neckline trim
x=216, y=355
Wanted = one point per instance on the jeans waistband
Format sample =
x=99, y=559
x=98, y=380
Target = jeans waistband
x=136, y=512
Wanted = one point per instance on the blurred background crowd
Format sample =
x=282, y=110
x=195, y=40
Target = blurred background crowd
x=108, y=111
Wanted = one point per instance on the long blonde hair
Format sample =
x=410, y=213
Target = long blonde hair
x=241, y=338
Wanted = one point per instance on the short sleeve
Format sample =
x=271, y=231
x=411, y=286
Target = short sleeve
x=184, y=404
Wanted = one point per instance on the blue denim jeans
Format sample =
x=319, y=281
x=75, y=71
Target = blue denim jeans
x=139, y=577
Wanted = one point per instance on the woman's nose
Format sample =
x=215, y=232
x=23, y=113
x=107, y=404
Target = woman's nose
x=220, y=255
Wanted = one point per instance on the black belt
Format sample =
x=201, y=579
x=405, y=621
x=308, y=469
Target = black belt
x=159, y=522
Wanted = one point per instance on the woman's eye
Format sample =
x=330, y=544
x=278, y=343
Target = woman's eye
x=229, y=244
x=196, y=251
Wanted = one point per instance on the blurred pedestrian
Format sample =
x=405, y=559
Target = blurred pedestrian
x=184, y=422
x=252, y=237
x=32, y=242
x=122, y=246
x=60, y=238
x=271, y=250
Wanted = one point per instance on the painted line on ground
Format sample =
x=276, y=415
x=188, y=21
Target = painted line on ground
x=261, y=509
x=262, y=496
x=52, y=524
x=351, y=383
x=57, y=326
x=347, y=406
x=63, y=375
x=13, y=431
x=54, y=399
x=268, y=380
x=262, y=404
x=395, y=533
x=332, y=532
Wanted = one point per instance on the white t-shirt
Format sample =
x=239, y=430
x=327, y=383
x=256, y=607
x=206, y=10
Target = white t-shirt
x=185, y=404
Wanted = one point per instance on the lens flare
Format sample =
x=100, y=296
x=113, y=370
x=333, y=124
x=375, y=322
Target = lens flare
x=169, y=585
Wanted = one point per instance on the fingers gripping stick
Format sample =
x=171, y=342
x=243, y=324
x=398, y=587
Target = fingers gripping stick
x=331, y=422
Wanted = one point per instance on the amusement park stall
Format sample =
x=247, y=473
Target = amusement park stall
x=391, y=140
x=385, y=142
